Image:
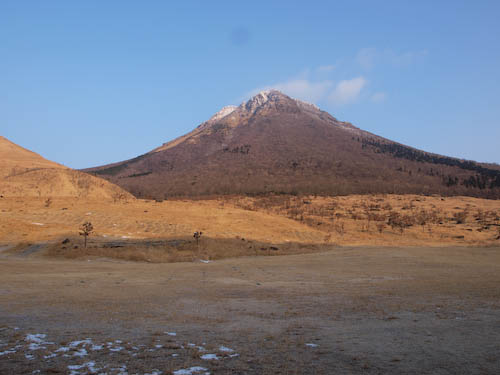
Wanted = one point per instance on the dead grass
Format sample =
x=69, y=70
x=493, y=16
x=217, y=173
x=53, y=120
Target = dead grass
x=247, y=226
x=173, y=250
x=422, y=219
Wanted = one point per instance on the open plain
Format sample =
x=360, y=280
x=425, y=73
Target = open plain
x=349, y=310
x=277, y=285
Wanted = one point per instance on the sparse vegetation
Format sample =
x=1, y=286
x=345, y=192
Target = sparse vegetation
x=85, y=230
x=461, y=216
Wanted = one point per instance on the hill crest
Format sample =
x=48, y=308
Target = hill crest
x=24, y=173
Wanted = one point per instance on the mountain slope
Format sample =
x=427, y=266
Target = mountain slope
x=15, y=159
x=273, y=143
x=25, y=173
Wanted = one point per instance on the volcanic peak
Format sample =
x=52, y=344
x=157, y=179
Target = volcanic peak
x=227, y=110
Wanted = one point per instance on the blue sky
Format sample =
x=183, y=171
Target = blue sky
x=92, y=82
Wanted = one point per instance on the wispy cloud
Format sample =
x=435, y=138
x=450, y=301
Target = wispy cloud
x=301, y=88
x=325, y=68
x=378, y=97
x=406, y=58
x=316, y=91
x=329, y=84
x=347, y=91
x=368, y=58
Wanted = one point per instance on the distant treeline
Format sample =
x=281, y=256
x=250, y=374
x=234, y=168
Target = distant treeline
x=486, y=178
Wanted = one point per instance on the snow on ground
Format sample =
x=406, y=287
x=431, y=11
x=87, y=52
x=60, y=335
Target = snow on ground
x=208, y=357
x=85, y=356
x=191, y=370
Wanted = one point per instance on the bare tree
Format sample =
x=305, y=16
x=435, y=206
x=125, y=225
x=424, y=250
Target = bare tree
x=197, y=236
x=85, y=230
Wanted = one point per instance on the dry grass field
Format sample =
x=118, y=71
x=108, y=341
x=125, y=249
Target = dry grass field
x=145, y=230
x=365, y=284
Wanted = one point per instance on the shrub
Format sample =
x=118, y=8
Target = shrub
x=460, y=216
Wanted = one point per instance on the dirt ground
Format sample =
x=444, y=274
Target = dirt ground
x=369, y=310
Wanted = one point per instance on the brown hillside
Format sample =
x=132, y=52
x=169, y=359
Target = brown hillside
x=24, y=173
x=15, y=159
x=274, y=143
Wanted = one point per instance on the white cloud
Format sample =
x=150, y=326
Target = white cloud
x=378, y=97
x=347, y=91
x=326, y=68
x=302, y=88
x=405, y=58
x=366, y=57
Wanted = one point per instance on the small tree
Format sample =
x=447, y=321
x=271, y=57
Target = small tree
x=380, y=226
x=197, y=236
x=85, y=230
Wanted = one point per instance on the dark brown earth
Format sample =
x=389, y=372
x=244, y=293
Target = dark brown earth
x=366, y=310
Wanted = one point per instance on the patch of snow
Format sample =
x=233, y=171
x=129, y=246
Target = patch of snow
x=225, y=349
x=40, y=224
x=118, y=349
x=85, y=342
x=155, y=372
x=312, y=345
x=208, y=357
x=175, y=355
x=50, y=356
x=122, y=370
x=89, y=365
x=76, y=367
x=96, y=347
x=225, y=111
x=190, y=371
x=234, y=355
x=36, y=341
x=29, y=356
x=34, y=346
x=7, y=352
x=205, y=261
x=37, y=337
x=158, y=346
x=171, y=333
x=307, y=104
x=63, y=349
x=80, y=353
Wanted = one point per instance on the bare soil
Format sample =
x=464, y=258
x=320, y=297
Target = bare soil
x=370, y=310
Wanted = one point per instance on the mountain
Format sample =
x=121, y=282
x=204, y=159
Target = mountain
x=24, y=173
x=273, y=143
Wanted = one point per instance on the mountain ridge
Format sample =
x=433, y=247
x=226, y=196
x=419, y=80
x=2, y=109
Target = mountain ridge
x=274, y=143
